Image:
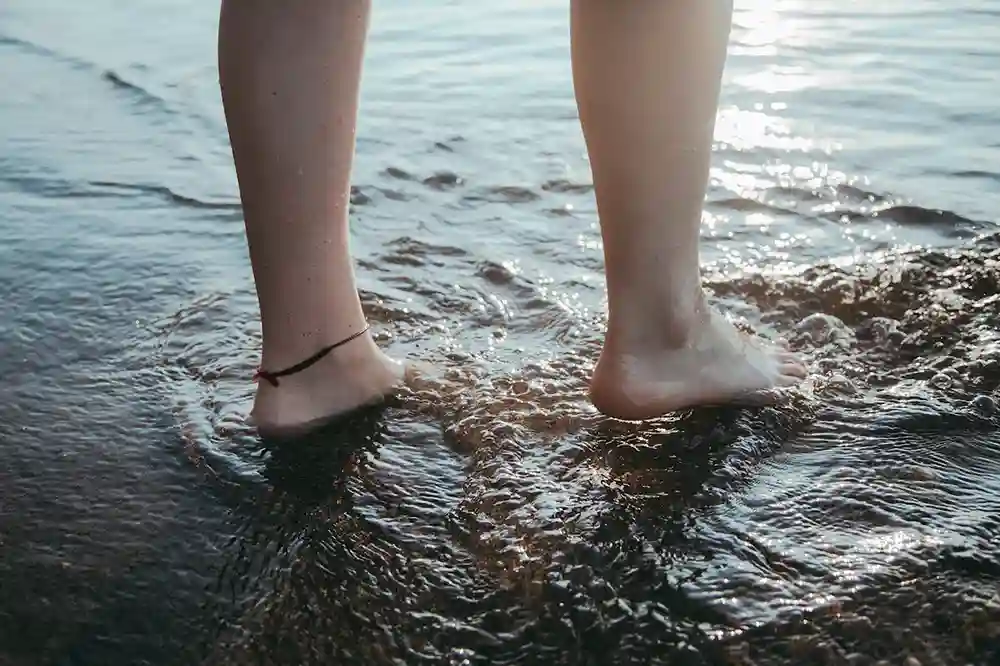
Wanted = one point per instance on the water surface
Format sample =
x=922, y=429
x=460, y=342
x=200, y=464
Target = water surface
x=491, y=516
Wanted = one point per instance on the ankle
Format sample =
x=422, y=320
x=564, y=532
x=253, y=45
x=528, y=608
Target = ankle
x=289, y=352
x=343, y=359
x=347, y=378
x=633, y=328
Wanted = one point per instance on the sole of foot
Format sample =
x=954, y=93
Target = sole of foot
x=717, y=365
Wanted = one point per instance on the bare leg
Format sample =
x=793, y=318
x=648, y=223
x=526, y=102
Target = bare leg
x=647, y=75
x=290, y=72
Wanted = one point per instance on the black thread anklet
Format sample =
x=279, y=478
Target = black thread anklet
x=272, y=377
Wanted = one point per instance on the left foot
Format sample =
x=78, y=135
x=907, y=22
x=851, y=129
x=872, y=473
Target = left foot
x=348, y=378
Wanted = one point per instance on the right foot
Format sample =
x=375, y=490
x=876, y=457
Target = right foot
x=717, y=364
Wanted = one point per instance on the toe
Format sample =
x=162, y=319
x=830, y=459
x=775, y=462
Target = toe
x=793, y=369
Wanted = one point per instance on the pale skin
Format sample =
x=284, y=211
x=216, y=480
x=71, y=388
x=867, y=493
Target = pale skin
x=647, y=76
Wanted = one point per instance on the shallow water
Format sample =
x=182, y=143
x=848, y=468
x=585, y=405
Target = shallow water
x=491, y=516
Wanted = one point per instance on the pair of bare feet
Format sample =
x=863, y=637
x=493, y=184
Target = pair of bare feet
x=709, y=362
x=647, y=76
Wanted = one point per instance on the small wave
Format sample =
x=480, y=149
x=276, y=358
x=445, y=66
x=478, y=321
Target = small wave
x=947, y=222
x=69, y=189
x=975, y=173
x=508, y=194
x=56, y=188
x=397, y=173
x=165, y=193
x=38, y=49
x=444, y=180
x=117, y=79
x=140, y=94
x=744, y=205
x=856, y=193
x=567, y=187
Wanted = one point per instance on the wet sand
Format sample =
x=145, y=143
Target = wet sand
x=489, y=516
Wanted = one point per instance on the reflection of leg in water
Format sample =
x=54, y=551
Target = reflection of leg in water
x=290, y=74
x=647, y=76
x=314, y=468
x=302, y=560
